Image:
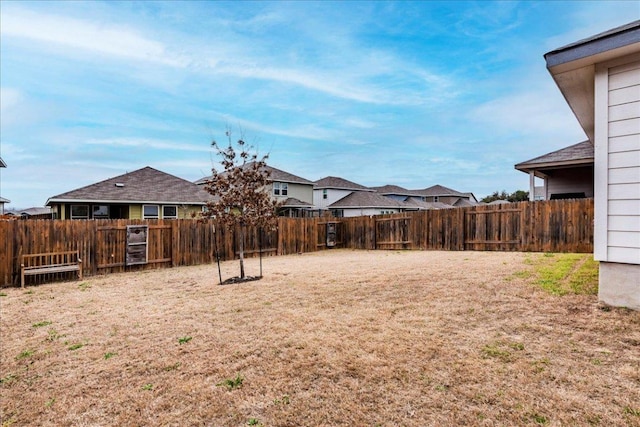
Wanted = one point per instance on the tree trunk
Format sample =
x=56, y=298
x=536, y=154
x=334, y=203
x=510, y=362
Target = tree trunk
x=241, y=252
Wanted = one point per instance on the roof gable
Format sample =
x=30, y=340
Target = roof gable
x=334, y=182
x=274, y=175
x=394, y=190
x=143, y=185
x=439, y=190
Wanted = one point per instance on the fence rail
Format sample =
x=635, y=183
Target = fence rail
x=549, y=226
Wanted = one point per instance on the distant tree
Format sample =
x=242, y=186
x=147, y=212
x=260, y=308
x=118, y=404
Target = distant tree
x=516, y=196
x=519, y=196
x=241, y=199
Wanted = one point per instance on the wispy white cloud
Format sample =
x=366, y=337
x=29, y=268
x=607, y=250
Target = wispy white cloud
x=100, y=38
x=147, y=143
x=235, y=60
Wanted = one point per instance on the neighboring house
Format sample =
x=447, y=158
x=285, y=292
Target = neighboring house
x=439, y=193
x=567, y=173
x=330, y=189
x=398, y=193
x=146, y=193
x=599, y=78
x=435, y=197
x=31, y=213
x=360, y=203
x=293, y=192
x=34, y=213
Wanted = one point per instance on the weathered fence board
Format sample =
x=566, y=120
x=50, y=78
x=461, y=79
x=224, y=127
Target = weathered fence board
x=550, y=226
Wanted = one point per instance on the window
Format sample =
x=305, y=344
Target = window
x=436, y=199
x=280, y=188
x=338, y=213
x=324, y=193
x=100, y=212
x=149, y=211
x=169, y=212
x=79, y=211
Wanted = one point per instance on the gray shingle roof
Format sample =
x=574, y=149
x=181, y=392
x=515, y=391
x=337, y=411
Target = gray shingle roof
x=275, y=175
x=143, y=185
x=335, y=182
x=366, y=199
x=439, y=190
x=292, y=202
x=395, y=190
x=426, y=205
x=611, y=39
x=577, y=154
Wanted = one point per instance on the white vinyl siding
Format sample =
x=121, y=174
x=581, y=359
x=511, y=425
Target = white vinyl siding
x=333, y=195
x=618, y=170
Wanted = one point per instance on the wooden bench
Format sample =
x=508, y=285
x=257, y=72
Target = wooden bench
x=50, y=263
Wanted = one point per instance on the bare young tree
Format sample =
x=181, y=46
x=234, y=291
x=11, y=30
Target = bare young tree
x=240, y=190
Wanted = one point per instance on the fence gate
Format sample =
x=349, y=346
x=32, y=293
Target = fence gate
x=124, y=245
x=492, y=230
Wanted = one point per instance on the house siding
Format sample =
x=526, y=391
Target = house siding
x=348, y=213
x=618, y=169
x=623, y=232
x=135, y=212
x=333, y=195
x=302, y=192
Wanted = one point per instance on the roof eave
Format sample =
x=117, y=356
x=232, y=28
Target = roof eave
x=121, y=202
x=550, y=165
x=573, y=68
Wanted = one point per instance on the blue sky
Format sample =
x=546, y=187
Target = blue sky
x=407, y=93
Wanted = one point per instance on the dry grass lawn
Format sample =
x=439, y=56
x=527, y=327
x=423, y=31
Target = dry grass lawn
x=337, y=338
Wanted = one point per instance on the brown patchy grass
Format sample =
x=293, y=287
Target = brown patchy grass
x=333, y=338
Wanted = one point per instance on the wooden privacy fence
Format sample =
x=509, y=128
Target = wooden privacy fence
x=549, y=226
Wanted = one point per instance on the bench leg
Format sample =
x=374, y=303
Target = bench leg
x=22, y=278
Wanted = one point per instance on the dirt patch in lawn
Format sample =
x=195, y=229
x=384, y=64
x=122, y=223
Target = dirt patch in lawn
x=340, y=337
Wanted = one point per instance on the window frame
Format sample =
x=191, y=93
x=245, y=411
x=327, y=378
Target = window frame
x=145, y=216
x=280, y=188
x=105, y=216
x=174, y=216
x=72, y=216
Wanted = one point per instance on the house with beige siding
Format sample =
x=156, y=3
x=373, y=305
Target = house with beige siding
x=295, y=194
x=566, y=173
x=600, y=79
x=146, y=193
